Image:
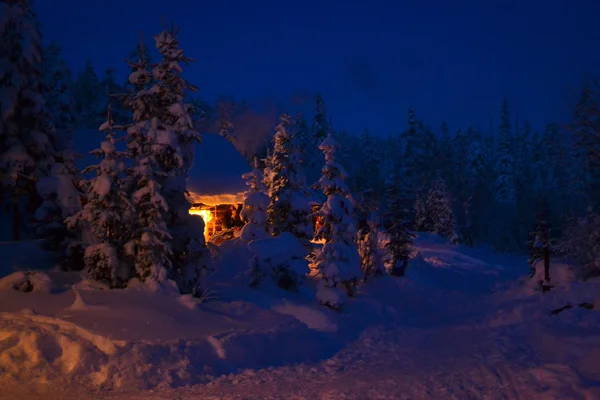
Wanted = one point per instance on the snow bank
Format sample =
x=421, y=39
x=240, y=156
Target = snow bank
x=138, y=340
x=284, y=245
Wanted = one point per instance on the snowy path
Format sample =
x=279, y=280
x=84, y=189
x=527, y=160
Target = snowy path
x=442, y=346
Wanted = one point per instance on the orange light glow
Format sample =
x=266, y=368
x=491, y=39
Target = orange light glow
x=207, y=216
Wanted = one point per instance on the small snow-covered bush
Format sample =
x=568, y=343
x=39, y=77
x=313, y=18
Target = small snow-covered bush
x=196, y=262
x=282, y=258
x=27, y=281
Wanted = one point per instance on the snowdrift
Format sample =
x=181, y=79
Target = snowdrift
x=107, y=340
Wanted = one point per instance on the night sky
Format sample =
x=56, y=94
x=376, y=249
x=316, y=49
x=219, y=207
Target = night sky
x=451, y=60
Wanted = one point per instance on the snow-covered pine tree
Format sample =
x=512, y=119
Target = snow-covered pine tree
x=175, y=151
x=338, y=263
x=149, y=239
x=60, y=192
x=256, y=202
x=102, y=220
x=289, y=210
x=439, y=209
x=371, y=262
x=27, y=137
x=141, y=50
x=397, y=223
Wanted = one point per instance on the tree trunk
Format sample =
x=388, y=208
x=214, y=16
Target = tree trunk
x=547, y=263
x=546, y=255
x=16, y=218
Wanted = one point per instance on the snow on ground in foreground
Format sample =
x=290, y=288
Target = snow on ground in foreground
x=463, y=324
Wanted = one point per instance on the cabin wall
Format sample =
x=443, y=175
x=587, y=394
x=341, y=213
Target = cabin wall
x=224, y=216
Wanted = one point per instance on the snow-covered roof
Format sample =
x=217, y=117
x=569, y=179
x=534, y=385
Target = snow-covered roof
x=216, y=177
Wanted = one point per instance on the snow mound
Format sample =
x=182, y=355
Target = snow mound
x=27, y=281
x=313, y=318
x=561, y=274
x=284, y=245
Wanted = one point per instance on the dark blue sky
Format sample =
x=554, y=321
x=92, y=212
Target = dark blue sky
x=370, y=59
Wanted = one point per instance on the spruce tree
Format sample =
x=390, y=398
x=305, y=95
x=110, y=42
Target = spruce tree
x=254, y=210
x=175, y=151
x=104, y=213
x=27, y=137
x=338, y=263
x=397, y=224
x=439, y=208
x=149, y=240
x=371, y=263
x=422, y=222
x=289, y=210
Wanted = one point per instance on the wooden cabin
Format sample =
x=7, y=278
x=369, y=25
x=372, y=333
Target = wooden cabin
x=216, y=187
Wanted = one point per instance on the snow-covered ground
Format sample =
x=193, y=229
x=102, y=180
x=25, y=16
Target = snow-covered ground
x=460, y=326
